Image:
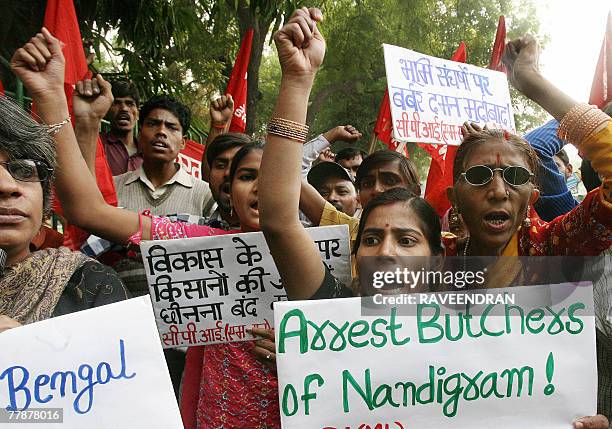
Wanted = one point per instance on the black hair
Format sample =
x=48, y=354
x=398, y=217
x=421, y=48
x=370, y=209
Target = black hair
x=178, y=109
x=22, y=138
x=562, y=155
x=224, y=142
x=427, y=216
x=477, y=138
x=349, y=153
x=406, y=167
x=124, y=88
x=589, y=177
x=241, y=154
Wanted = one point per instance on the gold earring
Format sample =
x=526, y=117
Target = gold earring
x=454, y=221
x=527, y=220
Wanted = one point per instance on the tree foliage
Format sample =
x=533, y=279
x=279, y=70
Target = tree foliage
x=187, y=47
x=351, y=83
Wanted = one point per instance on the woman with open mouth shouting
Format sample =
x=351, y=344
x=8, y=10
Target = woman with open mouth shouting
x=495, y=181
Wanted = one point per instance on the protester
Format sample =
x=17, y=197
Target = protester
x=336, y=186
x=572, y=181
x=228, y=386
x=120, y=143
x=379, y=172
x=160, y=183
x=35, y=286
x=386, y=213
x=350, y=158
x=219, y=155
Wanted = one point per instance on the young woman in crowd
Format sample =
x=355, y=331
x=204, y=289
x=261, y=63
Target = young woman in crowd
x=493, y=205
x=224, y=385
x=394, y=222
x=35, y=286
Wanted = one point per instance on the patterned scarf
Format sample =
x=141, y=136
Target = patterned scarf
x=30, y=290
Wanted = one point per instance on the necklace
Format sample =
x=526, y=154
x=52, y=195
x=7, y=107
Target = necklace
x=465, y=250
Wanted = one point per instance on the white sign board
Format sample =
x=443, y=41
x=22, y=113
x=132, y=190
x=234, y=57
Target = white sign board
x=209, y=290
x=100, y=368
x=528, y=364
x=431, y=98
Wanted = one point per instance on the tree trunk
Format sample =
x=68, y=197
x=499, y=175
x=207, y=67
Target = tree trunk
x=321, y=97
x=260, y=25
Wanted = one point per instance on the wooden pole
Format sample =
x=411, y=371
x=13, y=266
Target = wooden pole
x=373, y=143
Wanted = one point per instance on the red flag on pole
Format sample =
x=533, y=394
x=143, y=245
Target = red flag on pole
x=460, y=54
x=61, y=21
x=601, y=88
x=498, y=46
x=237, y=85
x=440, y=175
x=383, y=129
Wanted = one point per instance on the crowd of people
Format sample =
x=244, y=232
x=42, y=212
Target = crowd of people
x=510, y=196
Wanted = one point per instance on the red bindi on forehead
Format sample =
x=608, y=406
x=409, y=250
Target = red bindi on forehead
x=498, y=158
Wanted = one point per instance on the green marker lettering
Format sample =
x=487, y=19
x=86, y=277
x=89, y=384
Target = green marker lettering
x=302, y=332
x=431, y=323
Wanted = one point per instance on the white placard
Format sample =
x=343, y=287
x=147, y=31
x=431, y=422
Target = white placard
x=431, y=98
x=104, y=368
x=209, y=290
x=530, y=364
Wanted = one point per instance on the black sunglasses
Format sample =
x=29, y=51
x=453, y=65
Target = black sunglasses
x=480, y=175
x=28, y=170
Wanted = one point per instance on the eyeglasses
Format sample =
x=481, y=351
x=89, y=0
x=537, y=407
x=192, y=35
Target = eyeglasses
x=480, y=175
x=28, y=170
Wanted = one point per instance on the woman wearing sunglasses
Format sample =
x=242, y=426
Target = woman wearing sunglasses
x=495, y=184
x=38, y=285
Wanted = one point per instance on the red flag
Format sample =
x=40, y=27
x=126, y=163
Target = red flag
x=460, y=54
x=384, y=126
x=237, y=85
x=601, y=88
x=1, y=88
x=383, y=129
x=440, y=175
x=498, y=46
x=61, y=21
x=191, y=158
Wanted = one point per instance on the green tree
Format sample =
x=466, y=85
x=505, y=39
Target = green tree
x=351, y=84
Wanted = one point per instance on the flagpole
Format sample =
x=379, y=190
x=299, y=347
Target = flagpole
x=372, y=143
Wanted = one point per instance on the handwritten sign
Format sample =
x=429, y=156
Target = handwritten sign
x=209, y=290
x=100, y=368
x=431, y=98
x=527, y=364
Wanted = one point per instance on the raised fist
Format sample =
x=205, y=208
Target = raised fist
x=300, y=45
